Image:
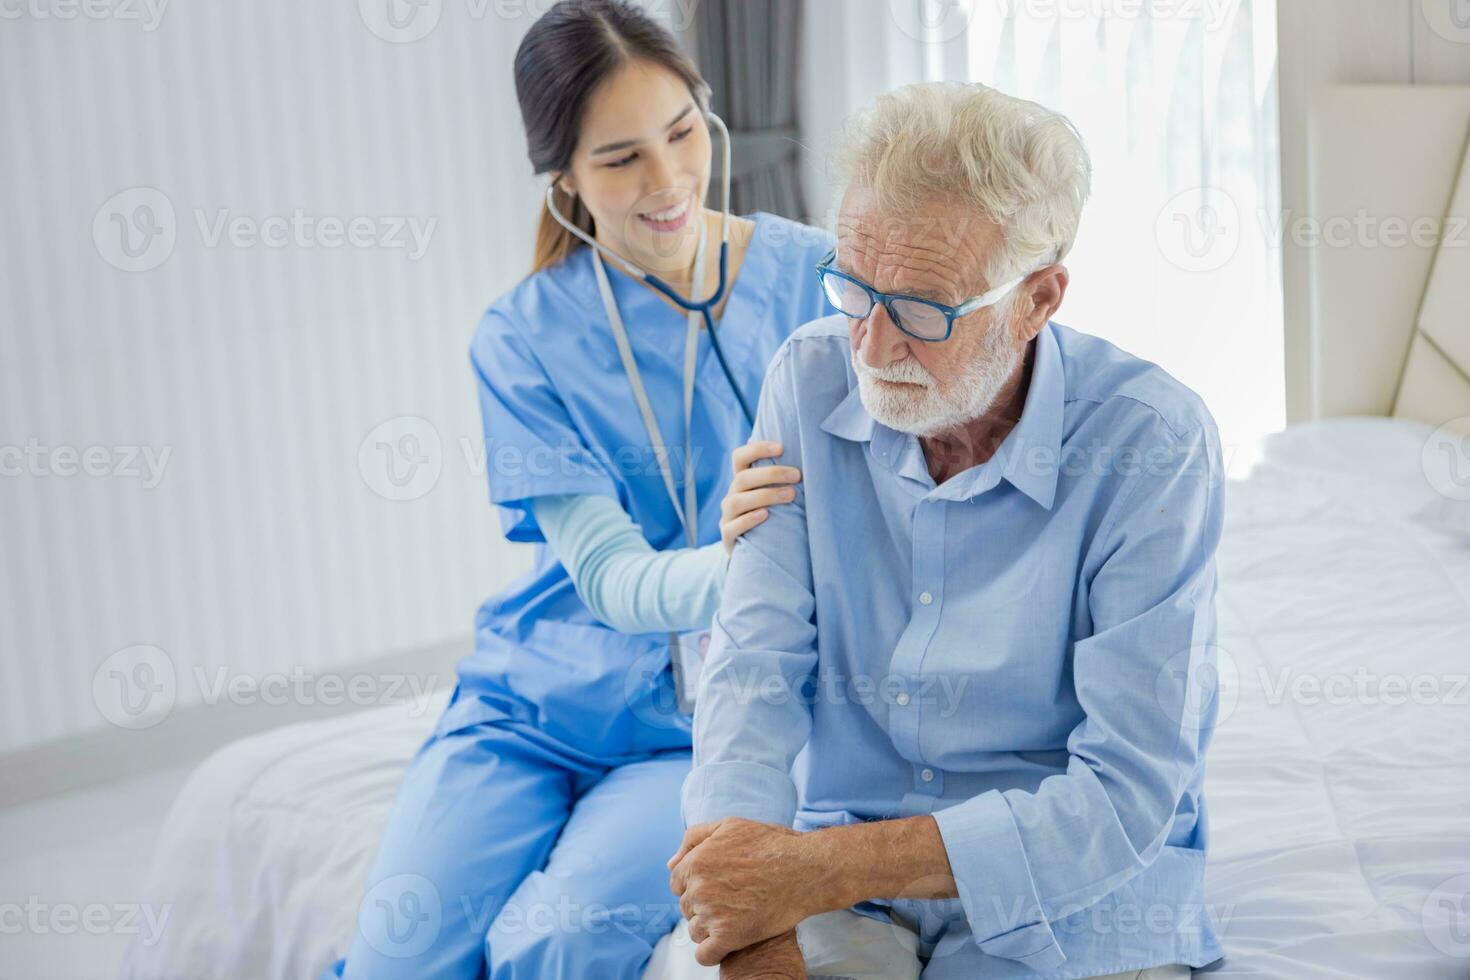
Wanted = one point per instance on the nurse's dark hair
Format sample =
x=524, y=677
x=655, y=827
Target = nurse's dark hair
x=569, y=51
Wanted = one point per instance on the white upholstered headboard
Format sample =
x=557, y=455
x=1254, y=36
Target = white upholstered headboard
x=1389, y=277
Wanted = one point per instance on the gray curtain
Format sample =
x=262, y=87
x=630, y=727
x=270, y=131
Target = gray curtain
x=748, y=52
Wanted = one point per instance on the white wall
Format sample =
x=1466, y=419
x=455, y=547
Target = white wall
x=850, y=53
x=260, y=371
x=1324, y=42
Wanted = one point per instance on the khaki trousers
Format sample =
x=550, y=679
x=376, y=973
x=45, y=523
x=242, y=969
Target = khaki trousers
x=843, y=944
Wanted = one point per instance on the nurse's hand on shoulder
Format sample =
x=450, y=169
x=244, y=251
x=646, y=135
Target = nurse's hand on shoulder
x=754, y=489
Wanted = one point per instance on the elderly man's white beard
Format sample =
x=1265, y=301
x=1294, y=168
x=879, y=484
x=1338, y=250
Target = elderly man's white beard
x=923, y=409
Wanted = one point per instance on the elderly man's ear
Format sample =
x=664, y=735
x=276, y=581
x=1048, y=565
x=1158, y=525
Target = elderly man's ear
x=1044, y=290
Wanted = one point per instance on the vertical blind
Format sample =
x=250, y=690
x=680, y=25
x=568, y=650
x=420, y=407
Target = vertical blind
x=241, y=239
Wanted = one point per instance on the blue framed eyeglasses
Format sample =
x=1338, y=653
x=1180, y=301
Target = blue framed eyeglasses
x=920, y=318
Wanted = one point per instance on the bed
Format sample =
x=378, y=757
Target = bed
x=1338, y=779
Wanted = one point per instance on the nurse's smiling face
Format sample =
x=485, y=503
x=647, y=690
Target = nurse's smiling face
x=642, y=167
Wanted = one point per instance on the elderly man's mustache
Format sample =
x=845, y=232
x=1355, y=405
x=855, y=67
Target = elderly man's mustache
x=907, y=371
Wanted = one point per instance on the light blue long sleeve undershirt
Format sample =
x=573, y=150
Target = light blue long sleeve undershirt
x=618, y=574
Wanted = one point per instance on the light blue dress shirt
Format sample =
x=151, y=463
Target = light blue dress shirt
x=1025, y=652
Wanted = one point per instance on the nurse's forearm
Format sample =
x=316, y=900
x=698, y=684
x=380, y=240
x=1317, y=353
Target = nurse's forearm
x=622, y=579
x=670, y=591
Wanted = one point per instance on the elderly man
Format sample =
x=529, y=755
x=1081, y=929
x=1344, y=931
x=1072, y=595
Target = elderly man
x=954, y=714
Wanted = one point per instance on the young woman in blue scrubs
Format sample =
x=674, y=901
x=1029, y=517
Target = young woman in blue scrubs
x=529, y=837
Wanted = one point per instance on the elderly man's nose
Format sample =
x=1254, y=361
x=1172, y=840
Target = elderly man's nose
x=882, y=341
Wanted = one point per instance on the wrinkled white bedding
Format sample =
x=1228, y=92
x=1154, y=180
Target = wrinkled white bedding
x=1340, y=821
x=1340, y=802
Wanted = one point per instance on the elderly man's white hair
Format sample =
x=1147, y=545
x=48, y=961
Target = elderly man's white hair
x=1012, y=161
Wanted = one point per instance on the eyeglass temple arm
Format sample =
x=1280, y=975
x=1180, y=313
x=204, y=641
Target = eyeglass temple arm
x=987, y=298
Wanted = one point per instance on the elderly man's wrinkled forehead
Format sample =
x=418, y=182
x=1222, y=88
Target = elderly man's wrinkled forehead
x=934, y=248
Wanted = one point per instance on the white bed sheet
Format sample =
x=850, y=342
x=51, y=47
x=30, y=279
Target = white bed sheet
x=264, y=855
x=1339, y=826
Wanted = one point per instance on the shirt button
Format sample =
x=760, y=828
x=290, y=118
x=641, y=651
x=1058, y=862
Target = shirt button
x=902, y=699
x=925, y=598
x=927, y=775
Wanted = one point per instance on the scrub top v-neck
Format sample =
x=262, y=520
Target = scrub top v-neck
x=560, y=417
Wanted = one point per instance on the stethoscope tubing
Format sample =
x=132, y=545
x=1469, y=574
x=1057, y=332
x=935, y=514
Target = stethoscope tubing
x=704, y=307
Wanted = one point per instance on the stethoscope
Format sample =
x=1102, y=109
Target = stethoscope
x=687, y=509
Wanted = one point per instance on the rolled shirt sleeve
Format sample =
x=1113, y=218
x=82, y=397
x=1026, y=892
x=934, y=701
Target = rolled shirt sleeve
x=1021, y=859
x=752, y=719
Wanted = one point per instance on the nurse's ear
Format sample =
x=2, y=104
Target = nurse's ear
x=566, y=185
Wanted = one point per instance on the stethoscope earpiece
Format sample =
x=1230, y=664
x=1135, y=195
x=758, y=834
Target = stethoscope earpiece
x=704, y=307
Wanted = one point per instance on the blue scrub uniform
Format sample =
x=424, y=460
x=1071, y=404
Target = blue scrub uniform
x=529, y=837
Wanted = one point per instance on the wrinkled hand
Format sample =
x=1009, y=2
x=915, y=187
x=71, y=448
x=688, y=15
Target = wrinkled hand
x=778, y=958
x=740, y=882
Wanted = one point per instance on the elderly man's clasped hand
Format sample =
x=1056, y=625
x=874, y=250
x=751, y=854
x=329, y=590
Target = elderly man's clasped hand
x=740, y=882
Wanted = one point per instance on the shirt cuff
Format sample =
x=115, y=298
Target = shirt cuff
x=716, y=790
x=994, y=881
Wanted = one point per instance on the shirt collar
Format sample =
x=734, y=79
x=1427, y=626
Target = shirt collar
x=850, y=420
x=1030, y=455
x=1032, y=452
